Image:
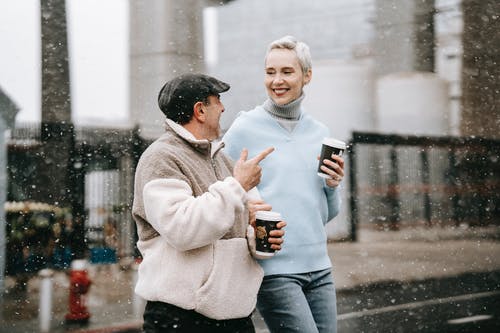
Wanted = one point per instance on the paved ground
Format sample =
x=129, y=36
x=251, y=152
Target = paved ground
x=377, y=257
x=414, y=254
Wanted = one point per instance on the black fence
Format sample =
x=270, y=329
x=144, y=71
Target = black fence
x=397, y=181
x=97, y=220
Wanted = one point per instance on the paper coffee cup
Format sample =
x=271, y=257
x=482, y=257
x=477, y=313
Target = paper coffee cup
x=330, y=146
x=265, y=221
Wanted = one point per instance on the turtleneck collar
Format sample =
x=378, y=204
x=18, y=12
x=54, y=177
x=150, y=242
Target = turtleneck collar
x=290, y=111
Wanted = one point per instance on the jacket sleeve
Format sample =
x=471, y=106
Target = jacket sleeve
x=188, y=222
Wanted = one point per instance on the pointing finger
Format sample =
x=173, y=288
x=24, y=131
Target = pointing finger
x=263, y=154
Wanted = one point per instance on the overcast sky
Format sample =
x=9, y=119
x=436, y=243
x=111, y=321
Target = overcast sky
x=98, y=47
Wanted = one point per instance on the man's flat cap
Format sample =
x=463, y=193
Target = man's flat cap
x=185, y=90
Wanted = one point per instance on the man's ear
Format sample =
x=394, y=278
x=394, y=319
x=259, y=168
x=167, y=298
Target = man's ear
x=198, y=112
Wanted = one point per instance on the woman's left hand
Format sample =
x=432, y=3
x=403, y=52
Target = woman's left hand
x=276, y=236
x=334, y=169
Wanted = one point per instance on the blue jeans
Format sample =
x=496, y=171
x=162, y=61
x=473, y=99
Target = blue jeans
x=299, y=302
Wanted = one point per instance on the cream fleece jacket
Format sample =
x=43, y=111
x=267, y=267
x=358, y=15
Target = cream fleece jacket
x=192, y=224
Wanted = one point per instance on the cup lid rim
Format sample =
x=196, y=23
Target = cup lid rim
x=268, y=215
x=334, y=143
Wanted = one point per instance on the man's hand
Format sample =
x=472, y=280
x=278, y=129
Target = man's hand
x=275, y=236
x=248, y=172
x=254, y=206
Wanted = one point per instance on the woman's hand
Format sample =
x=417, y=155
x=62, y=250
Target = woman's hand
x=276, y=236
x=334, y=169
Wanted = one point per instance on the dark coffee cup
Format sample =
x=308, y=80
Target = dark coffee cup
x=265, y=221
x=330, y=146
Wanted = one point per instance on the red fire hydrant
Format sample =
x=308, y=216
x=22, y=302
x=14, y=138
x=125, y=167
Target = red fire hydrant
x=79, y=284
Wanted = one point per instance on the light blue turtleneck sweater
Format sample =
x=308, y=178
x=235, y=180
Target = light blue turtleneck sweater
x=290, y=184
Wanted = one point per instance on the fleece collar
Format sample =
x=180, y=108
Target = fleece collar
x=203, y=144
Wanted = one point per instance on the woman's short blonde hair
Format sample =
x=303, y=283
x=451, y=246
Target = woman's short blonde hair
x=300, y=48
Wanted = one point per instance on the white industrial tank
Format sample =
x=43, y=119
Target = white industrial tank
x=340, y=95
x=412, y=103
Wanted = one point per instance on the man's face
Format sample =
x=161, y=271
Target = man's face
x=213, y=111
x=284, y=78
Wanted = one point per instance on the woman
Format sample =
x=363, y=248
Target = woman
x=298, y=291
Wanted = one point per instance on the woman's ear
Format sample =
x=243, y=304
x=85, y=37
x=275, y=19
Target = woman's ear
x=307, y=77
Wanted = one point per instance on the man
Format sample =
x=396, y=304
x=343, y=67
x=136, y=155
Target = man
x=190, y=206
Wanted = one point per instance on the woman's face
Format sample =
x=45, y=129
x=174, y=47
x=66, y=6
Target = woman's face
x=284, y=78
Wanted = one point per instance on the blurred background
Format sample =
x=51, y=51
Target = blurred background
x=412, y=86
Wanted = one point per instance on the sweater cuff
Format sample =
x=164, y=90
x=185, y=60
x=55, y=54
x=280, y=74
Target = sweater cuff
x=331, y=189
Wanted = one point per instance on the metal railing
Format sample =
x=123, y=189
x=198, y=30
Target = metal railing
x=103, y=165
x=408, y=180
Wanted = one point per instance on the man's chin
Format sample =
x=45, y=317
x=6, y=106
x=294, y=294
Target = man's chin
x=216, y=137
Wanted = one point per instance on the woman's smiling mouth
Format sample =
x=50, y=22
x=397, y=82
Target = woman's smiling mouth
x=280, y=91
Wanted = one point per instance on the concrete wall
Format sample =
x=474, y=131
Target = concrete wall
x=412, y=103
x=165, y=41
x=404, y=36
x=481, y=70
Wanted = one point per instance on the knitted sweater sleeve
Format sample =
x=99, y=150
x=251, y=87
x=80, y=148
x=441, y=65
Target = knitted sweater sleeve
x=334, y=201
